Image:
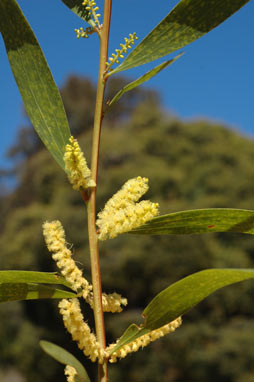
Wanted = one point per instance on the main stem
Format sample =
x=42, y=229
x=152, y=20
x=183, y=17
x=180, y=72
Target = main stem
x=91, y=205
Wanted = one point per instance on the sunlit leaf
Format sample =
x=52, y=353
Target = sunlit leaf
x=200, y=221
x=187, y=22
x=181, y=297
x=63, y=356
x=38, y=90
x=141, y=80
x=30, y=291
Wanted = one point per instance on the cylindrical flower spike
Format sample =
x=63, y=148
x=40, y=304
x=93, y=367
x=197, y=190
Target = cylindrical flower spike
x=112, y=302
x=143, y=340
x=79, y=330
x=75, y=164
x=55, y=239
x=119, y=52
x=70, y=373
x=121, y=213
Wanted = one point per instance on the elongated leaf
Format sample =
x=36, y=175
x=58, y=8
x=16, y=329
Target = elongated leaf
x=12, y=277
x=142, y=79
x=35, y=82
x=63, y=356
x=200, y=221
x=187, y=22
x=78, y=8
x=30, y=291
x=181, y=297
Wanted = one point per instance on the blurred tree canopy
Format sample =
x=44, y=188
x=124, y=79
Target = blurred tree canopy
x=190, y=165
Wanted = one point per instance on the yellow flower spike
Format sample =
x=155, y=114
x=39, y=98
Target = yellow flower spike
x=122, y=214
x=76, y=167
x=70, y=373
x=55, y=239
x=111, y=302
x=124, y=47
x=143, y=340
x=79, y=330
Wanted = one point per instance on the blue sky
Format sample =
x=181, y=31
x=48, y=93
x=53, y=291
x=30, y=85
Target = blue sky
x=214, y=79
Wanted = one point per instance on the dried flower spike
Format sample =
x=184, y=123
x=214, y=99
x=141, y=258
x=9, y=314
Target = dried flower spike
x=120, y=52
x=78, y=172
x=121, y=213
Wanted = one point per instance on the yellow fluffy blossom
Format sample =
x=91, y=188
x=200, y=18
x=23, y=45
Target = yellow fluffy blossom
x=79, y=330
x=55, y=239
x=122, y=214
x=70, y=373
x=76, y=167
x=112, y=302
x=120, y=52
x=143, y=340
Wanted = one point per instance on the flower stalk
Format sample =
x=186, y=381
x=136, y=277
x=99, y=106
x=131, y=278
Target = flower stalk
x=91, y=203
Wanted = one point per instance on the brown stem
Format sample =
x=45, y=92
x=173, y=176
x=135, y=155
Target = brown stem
x=91, y=204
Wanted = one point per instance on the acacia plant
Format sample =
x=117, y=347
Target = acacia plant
x=123, y=213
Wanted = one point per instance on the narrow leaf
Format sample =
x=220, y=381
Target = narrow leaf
x=38, y=90
x=12, y=277
x=142, y=79
x=181, y=297
x=200, y=221
x=78, y=8
x=63, y=356
x=30, y=291
x=187, y=22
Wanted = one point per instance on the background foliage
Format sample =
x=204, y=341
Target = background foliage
x=195, y=164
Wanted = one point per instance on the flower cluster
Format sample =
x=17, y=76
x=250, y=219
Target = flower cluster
x=70, y=373
x=76, y=167
x=112, y=302
x=81, y=333
x=122, y=214
x=70, y=309
x=120, y=52
x=80, y=330
x=143, y=340
x=84, y=33
x=55, y=239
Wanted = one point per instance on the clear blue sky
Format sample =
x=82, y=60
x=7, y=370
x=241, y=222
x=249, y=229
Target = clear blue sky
x=214, y=78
